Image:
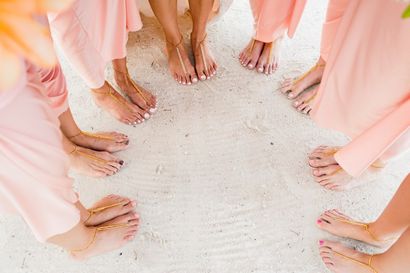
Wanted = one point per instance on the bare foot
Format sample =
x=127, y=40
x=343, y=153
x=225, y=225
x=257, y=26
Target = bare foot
x=179, y=64
x=340, y=259
x=303, y=103
x=138, y=94
x=269, y=59
x=102, y=141
x=250, y=55
x=108, y=208
x=93, y=163
x=205, y=64
x=109, y=236
x=110, y=100
x=294, y=87
x=338, y=224
x=327, y=171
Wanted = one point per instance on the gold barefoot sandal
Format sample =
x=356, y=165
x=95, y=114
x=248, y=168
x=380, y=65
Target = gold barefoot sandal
x=368, y=265
x=98, y=136
x=96, y=230
x=87, y=155
x=111, y=93
x=99, y=209
x=130, y=80
x=202, y=50
x=181, y=61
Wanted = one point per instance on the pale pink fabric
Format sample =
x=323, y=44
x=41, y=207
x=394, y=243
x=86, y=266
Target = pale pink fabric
x=365, y=90
x=33, y=173
x=55, y=88
x=334, y=14
x=94, y=32
x=273, y=18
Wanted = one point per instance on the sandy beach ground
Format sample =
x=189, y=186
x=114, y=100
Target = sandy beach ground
x=219, y=172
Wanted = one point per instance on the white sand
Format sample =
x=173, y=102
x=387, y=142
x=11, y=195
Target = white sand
x=219, y=172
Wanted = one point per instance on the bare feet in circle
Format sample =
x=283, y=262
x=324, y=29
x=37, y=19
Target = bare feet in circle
x=340, y=225
x=112, y=101
x=205, y=64
x=137, y=94
x=179, y=64
x=302, y=89
x=340, y=259
x=102, y=141
x=93, y=163
x=108, y=208
x=265, y=57
x=109, y=236
x=326, y=170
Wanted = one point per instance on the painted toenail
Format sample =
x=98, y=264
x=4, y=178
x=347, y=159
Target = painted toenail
x=134, y=123
x=194, y=80
x=189, y=83
x=153, y=110
x=203, y=77
x=319, y=221
x=133, y=204
x=147, y=116
x=121, y=162
x=208, y=78
x=296, y=103
x=321, y=242
x=250, y=66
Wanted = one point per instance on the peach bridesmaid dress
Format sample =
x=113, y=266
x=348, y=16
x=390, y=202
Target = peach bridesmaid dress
x=273, y=18
x=94, y=32
x=365, y=90
x=34, y=166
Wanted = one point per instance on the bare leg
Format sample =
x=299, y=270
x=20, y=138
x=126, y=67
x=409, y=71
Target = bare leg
x=138, y=95
x=179, y=64
x=93, y=240
x=204, y=62
x=394, y=220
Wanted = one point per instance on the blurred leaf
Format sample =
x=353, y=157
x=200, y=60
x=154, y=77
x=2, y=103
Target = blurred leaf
x=406, y=13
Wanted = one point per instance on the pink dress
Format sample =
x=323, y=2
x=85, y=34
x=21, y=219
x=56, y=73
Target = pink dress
x=92, y=33
x=365, y=91
x=33, y=173
x=273, y=18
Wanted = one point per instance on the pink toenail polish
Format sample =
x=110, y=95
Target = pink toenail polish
x=319, y=221
x=321, y=242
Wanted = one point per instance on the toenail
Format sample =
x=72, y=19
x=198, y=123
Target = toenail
x=319, y=221
x=147, y=116
x=121, y=162
x=134, y=123
x=321, y=242
x=250, y=66
x=203, y=77
x=153, y=110
x=296, y=103
x=208, y=78
x=291, y=95
x=194, y=80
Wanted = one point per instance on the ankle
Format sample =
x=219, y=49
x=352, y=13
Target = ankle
x=173, y=39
